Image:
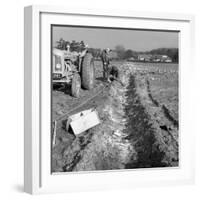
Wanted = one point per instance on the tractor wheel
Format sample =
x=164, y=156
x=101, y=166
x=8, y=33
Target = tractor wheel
x=76, y=85
x=87, y=72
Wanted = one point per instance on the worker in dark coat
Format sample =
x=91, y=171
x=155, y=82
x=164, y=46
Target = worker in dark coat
x=106, y=61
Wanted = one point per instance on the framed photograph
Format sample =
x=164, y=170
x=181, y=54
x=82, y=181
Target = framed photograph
x=107, y=102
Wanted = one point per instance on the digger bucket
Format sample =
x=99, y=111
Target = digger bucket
x=83, y=121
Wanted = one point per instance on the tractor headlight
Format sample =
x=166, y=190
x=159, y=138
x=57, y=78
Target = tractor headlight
x=58, y=66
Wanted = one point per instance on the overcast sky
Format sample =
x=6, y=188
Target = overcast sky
x=139, y=40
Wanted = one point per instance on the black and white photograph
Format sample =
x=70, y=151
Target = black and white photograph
x=114, y=98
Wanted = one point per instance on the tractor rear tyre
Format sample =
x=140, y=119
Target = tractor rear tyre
x=87, y=72
x=76, y=85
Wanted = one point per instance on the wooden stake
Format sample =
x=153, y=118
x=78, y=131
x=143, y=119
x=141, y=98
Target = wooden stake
x=54, y=133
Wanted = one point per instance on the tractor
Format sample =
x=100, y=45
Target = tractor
x=73, y=67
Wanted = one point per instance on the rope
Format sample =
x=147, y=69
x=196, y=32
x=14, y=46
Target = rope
x=80, y=105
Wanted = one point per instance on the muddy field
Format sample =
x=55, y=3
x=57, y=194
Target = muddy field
x=139, y=121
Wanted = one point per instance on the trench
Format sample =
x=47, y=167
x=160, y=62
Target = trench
x=129, y=136
x=106, y=149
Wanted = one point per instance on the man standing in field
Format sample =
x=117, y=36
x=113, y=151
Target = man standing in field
x=106, y=61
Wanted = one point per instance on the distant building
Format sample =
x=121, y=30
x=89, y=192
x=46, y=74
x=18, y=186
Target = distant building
x=144, y=57
x=168, y=60
x=161, y=58
x=131, y=59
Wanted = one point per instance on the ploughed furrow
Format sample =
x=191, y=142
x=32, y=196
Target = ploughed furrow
x=152, y=135
x=165, y=110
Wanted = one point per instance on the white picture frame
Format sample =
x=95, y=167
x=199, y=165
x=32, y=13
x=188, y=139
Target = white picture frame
x=37, y=174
